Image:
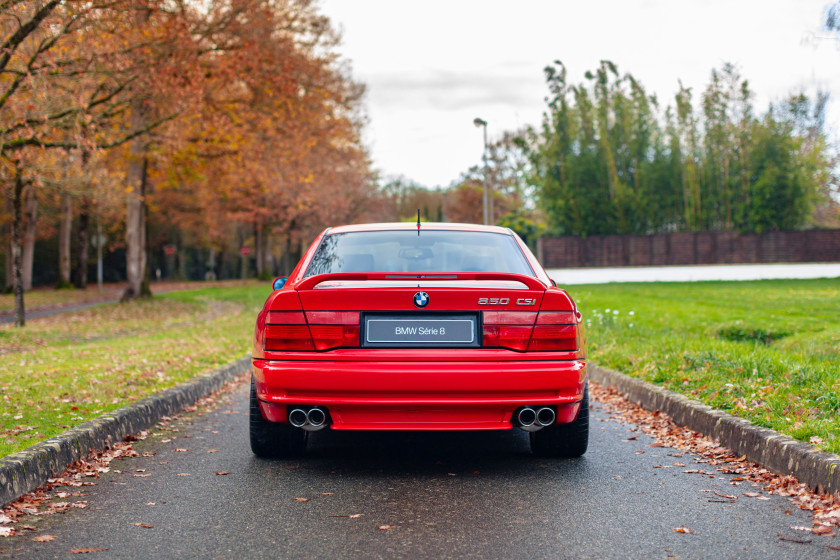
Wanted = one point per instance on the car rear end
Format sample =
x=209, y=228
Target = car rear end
x=445, y=327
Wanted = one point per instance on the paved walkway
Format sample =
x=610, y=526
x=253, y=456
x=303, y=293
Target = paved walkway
x=696, y=273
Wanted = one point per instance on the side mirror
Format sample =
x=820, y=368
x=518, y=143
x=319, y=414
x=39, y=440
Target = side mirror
x=279, y=282
x=553, y=283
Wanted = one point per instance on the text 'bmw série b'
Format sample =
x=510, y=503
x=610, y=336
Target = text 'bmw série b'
x=419, y=327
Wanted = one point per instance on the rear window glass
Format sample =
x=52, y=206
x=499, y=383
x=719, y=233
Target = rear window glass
x=431, y=251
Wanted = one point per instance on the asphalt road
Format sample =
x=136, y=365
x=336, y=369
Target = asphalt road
x=456, y=495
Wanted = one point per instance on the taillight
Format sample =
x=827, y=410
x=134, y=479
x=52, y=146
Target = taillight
x=291, y=336
x=556, y=331
x=333, y=329
x=293, y=331
x=548, y=331
x=508, y=329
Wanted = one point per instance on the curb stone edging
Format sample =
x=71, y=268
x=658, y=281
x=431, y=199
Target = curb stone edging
x=26, y=470
x=774, y=451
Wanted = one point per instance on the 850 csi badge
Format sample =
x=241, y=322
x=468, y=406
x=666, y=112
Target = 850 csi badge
x=421, y=299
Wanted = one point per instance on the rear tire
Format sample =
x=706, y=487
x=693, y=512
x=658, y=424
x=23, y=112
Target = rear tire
x=564, y=440
x=273, y=439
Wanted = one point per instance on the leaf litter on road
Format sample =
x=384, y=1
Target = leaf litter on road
x=824, y=507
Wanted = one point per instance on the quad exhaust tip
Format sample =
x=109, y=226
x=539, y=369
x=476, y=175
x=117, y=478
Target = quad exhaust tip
x=532, y=419
x=310, y=420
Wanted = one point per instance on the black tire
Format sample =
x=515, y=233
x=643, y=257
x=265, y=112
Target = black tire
x=271, y=439
x=564, y=440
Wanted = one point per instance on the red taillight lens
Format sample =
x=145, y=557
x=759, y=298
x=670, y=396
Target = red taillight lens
x=554, y=331
x=556, y=318
x=333, y=336
x=507, y=329
x=289, y=331
x=287, y=337
x=548, y=338
x=506, y=336
x=285, y=318
x=333, y=329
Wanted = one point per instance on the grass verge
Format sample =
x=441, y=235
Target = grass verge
x=767, y=351
x=62, y=370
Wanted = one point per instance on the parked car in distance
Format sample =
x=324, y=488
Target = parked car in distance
x=419, y=327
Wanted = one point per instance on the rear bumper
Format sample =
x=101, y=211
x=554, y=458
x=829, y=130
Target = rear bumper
x=393, y=395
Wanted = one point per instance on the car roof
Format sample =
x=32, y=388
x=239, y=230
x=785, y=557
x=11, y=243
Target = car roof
x=412, y=226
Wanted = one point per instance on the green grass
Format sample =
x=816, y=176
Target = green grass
x=767, y=351
x=63, y=370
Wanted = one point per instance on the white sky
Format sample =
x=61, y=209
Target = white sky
x=431, y=67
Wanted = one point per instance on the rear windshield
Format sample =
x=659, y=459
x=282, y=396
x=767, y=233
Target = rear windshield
x=431, y=251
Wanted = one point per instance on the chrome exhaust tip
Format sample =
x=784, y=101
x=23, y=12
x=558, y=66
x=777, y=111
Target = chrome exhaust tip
x=527, y=419
x=297, y=418
x=316, y=417
x=546, y=416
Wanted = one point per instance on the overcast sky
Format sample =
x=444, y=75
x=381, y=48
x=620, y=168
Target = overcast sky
x=431, y=67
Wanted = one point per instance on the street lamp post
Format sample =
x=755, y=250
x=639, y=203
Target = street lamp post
x=482, y=123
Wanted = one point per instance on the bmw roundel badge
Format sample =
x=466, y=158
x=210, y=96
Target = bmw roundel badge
x=421, y=299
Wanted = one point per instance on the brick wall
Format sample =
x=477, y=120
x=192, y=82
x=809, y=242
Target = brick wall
x=710, y=247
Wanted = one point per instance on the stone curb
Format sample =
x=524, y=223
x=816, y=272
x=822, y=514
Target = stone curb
x=776, y=452
x=26, y=470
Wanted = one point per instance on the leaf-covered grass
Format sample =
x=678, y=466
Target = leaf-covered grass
x=50, y=297
x=768, y=351
x=62, y=370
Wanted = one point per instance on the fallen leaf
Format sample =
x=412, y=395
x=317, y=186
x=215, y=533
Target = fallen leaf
x=302, y=499
x=221, y=473
x=183, y=474
x=385, y=527
x=212, y=450
x=181, y=450
x=355, y=516
x=822, y=529
x=142, y=475
x=44, y=538
x=631, y=438
x=144, y=525
x=327, y=494
x=151, y=503
x=751, y=494
x=85, y=550
x=682, y=529
x=6, y=531
x=58, y=495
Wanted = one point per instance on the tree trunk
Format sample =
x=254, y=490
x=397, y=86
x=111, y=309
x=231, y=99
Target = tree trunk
x=10, y=275
x=243, y=260
x=268, y=256
x=82, y=245
x=135, y=226
x=17, y=251
x=31, y=217
x=64, y=241
x=258, y=248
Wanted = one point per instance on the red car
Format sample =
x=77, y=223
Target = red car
x=419, y=327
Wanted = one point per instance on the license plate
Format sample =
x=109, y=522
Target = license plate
x=420, y=331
